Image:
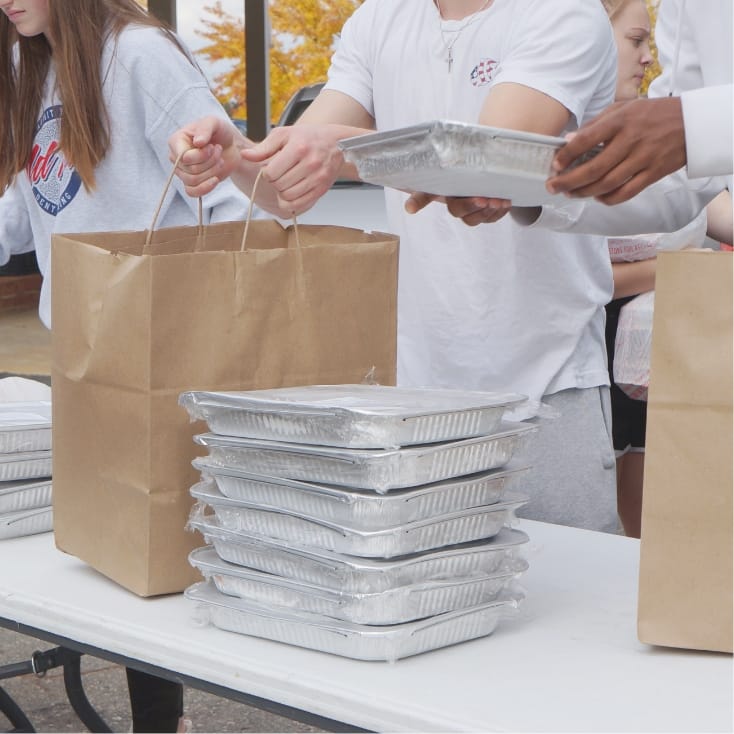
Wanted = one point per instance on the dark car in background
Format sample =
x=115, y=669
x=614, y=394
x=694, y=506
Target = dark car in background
x=298, y=103
x=293, y=109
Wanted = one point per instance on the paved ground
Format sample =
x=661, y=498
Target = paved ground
x=44, y=699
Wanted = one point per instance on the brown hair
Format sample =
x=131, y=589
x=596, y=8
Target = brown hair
x=79, y=30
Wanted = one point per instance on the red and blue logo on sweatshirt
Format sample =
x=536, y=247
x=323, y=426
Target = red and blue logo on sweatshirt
x=53, y=181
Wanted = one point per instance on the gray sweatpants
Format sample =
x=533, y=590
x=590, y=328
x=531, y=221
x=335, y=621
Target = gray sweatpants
x=572, y=479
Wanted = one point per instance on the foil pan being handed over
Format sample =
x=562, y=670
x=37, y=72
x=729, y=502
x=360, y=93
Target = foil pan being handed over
x=451, y=158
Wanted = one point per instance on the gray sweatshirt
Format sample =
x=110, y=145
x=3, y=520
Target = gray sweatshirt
x=151, y=90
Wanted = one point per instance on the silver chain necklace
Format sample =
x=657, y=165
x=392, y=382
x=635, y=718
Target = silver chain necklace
x=450, y=45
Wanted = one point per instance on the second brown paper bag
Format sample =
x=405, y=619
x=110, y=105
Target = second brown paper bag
x=686, y=549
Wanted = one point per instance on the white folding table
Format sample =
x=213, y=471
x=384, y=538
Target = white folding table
x=568, y=662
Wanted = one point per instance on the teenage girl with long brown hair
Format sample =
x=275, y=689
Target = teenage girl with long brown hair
x=91, y=90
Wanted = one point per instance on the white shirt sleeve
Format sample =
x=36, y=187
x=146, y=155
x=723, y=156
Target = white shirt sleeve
x=168, y=91
x=576, y=64
x=350, y=70
x=665, y=206
x=707, y=116
x=697, y=75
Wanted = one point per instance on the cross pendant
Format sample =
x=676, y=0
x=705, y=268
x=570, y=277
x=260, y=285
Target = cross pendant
x=450, y=59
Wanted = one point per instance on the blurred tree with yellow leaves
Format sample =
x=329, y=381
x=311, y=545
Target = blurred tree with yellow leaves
x=654, y=69
x=302, y=41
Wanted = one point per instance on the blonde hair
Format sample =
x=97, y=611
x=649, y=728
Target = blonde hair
x=614, y=6
x=79, y=29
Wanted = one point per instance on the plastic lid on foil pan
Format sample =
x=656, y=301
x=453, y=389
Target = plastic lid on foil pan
x=352, y=416
x=450, y=158
x=23, y=415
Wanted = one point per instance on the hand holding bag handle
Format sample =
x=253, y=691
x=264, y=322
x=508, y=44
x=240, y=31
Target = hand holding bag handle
x=243, y=246
x=202, y=230
x=151, y=229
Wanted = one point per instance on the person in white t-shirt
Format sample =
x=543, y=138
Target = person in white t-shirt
x=492, y=308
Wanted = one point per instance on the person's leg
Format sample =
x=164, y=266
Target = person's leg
x=572, y=476
x=630, y=468
x=630, y=420
x=156, y=703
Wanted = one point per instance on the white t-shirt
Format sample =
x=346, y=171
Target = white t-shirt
x=151, y=90
x=494, y=307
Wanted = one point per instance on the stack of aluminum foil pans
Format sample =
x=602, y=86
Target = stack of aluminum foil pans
x=367, y=521
x=25, y=468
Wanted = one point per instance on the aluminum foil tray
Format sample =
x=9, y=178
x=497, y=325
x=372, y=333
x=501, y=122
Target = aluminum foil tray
x=362, y=509
x=25, y=426
x=352, y=574
x=26, y=522
x=457, y=159
x=351, y=416
x=25, y=465
x=393, y=606
x=464, y=526
x=377, y=469
x=17, y=496
x=357, y=641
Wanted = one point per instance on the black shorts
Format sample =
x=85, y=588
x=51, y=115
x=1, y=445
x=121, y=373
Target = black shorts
x=629, y=417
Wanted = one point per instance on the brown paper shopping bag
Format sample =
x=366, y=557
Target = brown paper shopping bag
x=134, y=325
x=685, y=593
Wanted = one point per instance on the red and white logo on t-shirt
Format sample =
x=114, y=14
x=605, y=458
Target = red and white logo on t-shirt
x=483, y=72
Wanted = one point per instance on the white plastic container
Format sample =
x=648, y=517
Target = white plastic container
x=360, y=642
x=352, y=574
x=379, y=470
x=351, y=416
x=437, y=532
x=25, y=426
x=25, y=465
x=26, y=522
x=362, y=509
x=393, y=606
x=24, y=495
